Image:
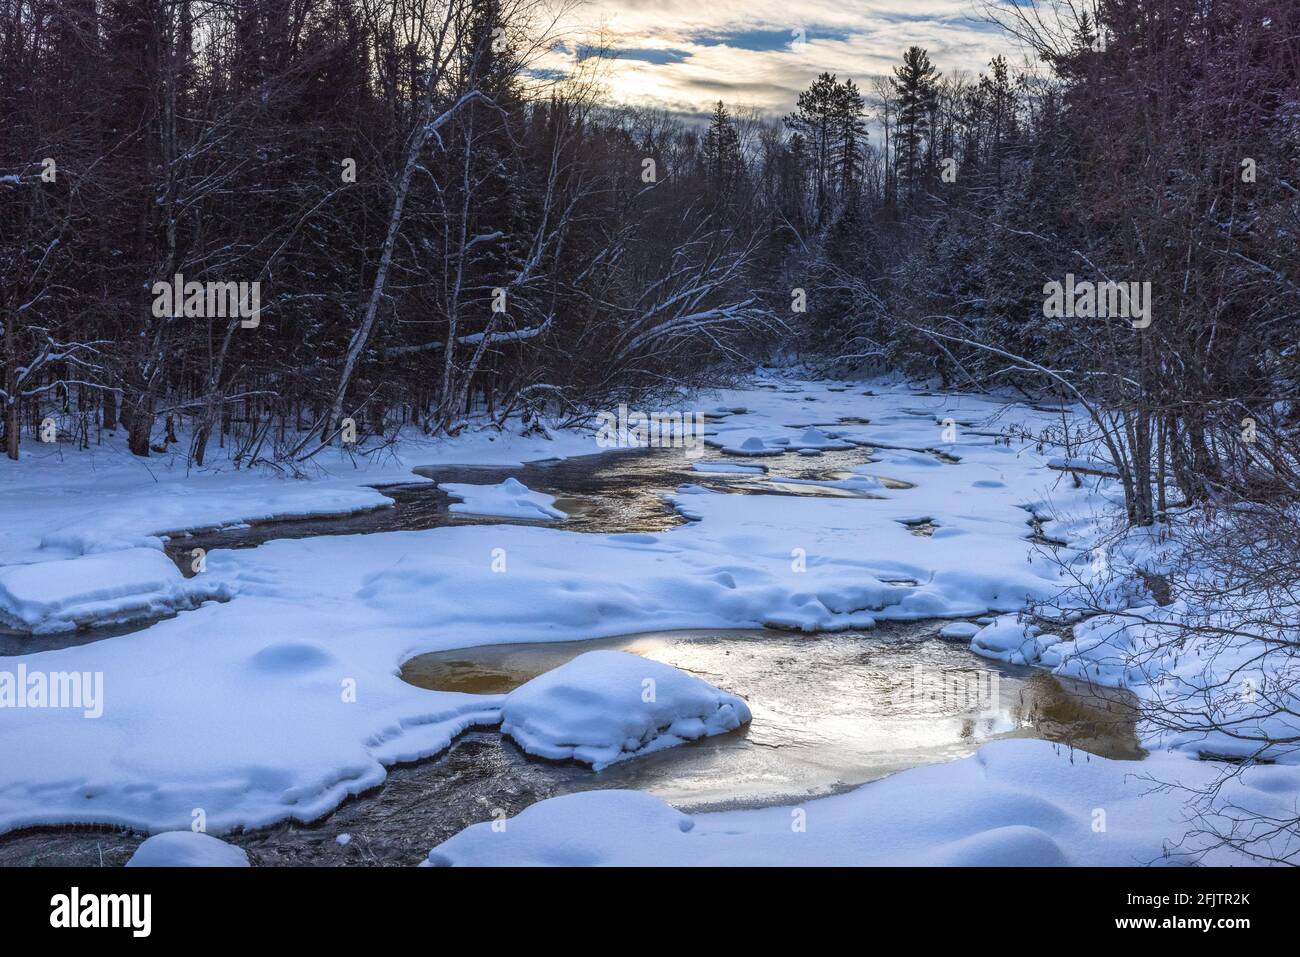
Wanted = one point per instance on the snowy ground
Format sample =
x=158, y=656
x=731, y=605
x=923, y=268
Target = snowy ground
x=283, y=698
x=1014, y=803
x=60, y=502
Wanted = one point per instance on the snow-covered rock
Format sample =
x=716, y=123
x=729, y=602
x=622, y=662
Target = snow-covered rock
x=814, y=438
x=959, y=630
x=101, y=588
x=1009, y=640
x=510, y=499
x=607, y=706
x=1089, y=466
x=187, y=849
x=857, y=484
x=748, y=444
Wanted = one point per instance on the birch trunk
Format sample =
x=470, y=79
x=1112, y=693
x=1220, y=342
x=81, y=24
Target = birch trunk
x=361, y=338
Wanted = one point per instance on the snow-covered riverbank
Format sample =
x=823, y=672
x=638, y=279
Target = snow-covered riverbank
x=283, y=699
x=1014, y=803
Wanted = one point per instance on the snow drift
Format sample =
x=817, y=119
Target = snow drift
x=607, y=706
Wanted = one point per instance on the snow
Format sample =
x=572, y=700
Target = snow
x=959, y=630
x=187, y=849
x=1009, y=640
x=59, y=505
x=1093, y=466
x=1145, y=650
x=283, y=700
x=1014, y=802
x=105, y=501
x=748, y=445
x=510, y=499
x=110, y=587
x=607, y=706
x=857, y=484
x=815, y=439
x=728, y=468
x=1104, y=649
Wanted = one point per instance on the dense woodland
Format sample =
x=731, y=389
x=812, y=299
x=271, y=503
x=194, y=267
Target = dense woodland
x=440, y=230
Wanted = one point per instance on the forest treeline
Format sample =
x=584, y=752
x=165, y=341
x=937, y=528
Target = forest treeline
x=438, y=230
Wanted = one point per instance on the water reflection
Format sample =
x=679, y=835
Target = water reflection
x=614, y=492
x=830, y=711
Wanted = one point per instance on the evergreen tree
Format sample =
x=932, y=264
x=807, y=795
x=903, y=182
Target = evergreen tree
x=916, y=83
x=850, y=136
x=813, y=119
x=721, y=150
x=828, y=119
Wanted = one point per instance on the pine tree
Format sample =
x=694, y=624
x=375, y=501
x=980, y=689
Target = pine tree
x=721, y=152
x=814, y=119
x=916, y=83
x=1000, y=97
x=850, y=136
x=828, y=117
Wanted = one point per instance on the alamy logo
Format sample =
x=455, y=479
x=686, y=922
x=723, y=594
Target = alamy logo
x=1092, y=300
x=134, y=911
x=82, y=690
x=208, y=300
x=659, y=430
x=950, y=691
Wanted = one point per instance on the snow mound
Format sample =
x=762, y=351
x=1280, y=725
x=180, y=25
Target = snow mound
x=748, y=444
x=287, y=658
x=815, y=438
x=533, y=832
x=1015, y=845
x=857, y=484
x=1111, y=650
x=511, y=499
x=1089, y=466
x=607, y=706
x=187, y=849
x=1007, y=639
x=102, y=588
x=959, y=630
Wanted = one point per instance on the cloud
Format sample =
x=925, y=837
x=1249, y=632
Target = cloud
x=657, y=56
x=683, y=55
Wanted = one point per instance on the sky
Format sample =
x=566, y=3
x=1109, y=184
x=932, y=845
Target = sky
x=684, y=55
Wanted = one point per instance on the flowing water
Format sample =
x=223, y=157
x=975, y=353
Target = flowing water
x=831, y=711
x=607, y=493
